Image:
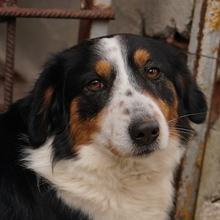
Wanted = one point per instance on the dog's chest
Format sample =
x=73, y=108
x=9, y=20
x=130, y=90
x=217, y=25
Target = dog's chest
x=109, y=190
x=134, y=197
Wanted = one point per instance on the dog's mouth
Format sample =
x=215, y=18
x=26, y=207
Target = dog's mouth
x=145, y=150
x=137, y=152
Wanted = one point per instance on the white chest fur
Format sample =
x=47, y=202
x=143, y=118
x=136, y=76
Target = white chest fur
x=109, y=188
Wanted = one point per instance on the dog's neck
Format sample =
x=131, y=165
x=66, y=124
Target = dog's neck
x=106, y=187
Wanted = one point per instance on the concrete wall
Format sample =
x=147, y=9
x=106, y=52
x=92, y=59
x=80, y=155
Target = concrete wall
x=154, y=18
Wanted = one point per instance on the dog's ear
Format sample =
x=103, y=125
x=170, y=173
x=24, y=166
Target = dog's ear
x=45, y=104
x=191, y=97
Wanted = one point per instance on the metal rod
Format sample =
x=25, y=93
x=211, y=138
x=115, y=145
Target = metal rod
x=56, y=13
x=85, y=24
x=9, y=62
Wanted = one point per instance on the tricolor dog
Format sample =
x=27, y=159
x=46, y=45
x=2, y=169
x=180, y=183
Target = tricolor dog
x=101, y=134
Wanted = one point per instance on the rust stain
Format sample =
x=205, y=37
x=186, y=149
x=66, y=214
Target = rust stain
x=199, y=157
x=214, y=15
x=200, y=37
x=184, y=213
x=214, y=49
x=214, y=113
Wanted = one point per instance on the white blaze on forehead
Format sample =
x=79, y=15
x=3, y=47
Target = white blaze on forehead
x=113, y=51
x=115, y=124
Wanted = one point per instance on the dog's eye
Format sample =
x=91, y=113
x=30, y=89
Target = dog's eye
x=153, y=72
x=95, y=84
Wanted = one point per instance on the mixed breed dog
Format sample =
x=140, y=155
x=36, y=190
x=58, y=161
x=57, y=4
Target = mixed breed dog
x=101, y=134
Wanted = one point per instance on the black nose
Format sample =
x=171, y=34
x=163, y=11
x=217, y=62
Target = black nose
x=144, y=132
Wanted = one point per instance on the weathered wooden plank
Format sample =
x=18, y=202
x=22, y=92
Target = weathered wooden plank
x=202, y=61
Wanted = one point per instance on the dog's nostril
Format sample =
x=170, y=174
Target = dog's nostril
x=144, y=132
x=139, y=135
x=155, y=132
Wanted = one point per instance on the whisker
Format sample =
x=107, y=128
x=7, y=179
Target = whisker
x=180, y=136
x=189, y=142
x=191, y=135
x=186, y=115
x=185, y=129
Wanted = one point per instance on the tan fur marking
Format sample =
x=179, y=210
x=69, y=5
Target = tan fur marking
x=169, y=112
x=141, y=56
x=103, y=68
x=116, y=153
x=82, y=131
x=47, y=99
x=48, y=94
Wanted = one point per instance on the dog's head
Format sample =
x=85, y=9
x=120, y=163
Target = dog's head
x=124, y=94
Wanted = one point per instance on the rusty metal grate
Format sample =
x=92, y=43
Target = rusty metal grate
x=9, y=11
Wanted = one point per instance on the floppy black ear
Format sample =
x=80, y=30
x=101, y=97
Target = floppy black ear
x=196, y=105
x=46, y=104
x=192, y=98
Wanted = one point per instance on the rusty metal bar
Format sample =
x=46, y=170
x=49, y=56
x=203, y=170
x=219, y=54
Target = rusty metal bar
x=9, y=62
x=56, y=13
x=85, y=24
x=202, y=61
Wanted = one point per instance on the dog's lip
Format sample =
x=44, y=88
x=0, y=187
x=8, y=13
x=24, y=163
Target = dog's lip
x=138, y=152
x=146, y=150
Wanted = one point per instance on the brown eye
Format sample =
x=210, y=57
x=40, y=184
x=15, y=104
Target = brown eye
x=95, y=84
x=153, y=72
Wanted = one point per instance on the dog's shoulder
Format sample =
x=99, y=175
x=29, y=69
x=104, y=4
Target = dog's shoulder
x=23, y=195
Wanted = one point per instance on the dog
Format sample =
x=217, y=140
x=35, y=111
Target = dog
x=101, y=134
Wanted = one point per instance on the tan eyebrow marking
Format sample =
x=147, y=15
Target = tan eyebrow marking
x=103, y=68
x=141, y=56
